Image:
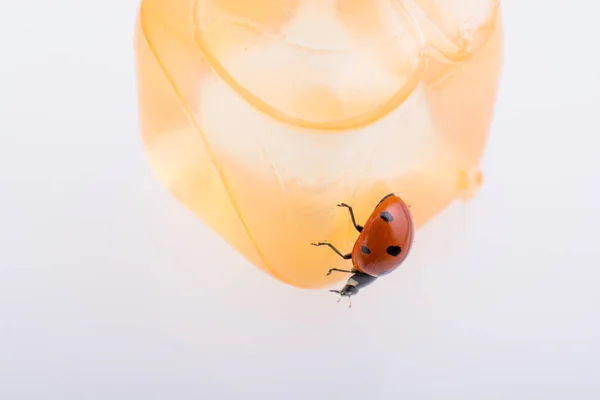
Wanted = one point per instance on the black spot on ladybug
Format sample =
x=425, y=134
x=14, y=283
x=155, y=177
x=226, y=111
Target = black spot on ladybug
x=365, y=250
x=393, y=250
x=386, y=216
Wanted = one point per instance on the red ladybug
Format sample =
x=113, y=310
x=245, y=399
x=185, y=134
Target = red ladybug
x=383, y=244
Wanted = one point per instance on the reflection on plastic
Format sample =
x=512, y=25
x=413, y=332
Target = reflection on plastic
x=260, y=116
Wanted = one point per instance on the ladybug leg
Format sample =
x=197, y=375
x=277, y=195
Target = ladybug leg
x=339, y=270
x=344, y=256
x=356, y=226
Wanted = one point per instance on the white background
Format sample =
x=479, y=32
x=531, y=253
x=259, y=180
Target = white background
x=110, y=289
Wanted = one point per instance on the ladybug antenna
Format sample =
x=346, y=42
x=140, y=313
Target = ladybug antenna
x=338, y=292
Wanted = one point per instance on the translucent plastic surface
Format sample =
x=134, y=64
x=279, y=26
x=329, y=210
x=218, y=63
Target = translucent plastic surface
x=260, y=116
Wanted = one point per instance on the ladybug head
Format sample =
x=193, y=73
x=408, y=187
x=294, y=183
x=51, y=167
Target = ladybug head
x=356, y=282
x=347, y=290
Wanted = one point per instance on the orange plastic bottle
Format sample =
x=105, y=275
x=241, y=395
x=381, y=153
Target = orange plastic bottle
x=261, y=116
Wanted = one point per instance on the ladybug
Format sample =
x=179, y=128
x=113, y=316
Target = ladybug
x=383, y=244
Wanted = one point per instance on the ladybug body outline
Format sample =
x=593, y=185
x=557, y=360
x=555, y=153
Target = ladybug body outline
x=383, y=244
